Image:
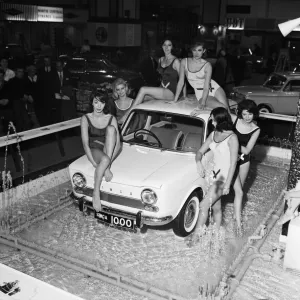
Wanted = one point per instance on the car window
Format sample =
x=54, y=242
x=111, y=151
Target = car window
x=76, y=65
x=275, y=82
x=171, y=131
x=96, y=66
x=293, y=86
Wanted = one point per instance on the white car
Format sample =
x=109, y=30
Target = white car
x=155, y=180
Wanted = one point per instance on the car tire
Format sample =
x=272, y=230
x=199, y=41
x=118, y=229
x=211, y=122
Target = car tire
x=188, y=216
x=264, y=109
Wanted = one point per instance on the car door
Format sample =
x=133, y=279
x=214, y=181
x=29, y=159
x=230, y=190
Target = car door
x=288, y=98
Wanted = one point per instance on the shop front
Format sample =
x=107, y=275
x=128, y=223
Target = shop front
x=28, y=25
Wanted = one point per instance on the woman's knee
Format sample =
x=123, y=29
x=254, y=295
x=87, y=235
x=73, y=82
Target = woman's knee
x=105, y=160
x=143, y=90
x=238, y=193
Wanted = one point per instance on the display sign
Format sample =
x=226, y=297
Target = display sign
x=235, y=23
x=50, y=14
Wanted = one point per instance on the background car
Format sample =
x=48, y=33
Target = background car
x=16, y=55
x=279, y=94
x=99, y=69
x=155, y=180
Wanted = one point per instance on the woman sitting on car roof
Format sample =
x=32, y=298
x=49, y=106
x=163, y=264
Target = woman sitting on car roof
x=198, y=72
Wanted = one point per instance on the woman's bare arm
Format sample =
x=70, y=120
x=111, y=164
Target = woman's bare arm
x=246, y=150
x=207, y=72
x=234, y=149
x=85, y=140
x=181, y=80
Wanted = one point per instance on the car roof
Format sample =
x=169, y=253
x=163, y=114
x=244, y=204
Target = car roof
x=184, y=107
x=289, y=74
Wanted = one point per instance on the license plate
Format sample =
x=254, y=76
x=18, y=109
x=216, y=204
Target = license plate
x=115, y=220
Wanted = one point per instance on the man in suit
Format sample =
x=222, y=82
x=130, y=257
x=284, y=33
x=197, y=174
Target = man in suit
x=148, y=69
x=63, y=89
x=45, y=79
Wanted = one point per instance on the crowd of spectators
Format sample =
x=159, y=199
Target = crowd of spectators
x=31, y=97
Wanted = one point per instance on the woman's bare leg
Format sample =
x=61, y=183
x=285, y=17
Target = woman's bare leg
x=158, y=93
x=105, y=160
x=238, y=198
x=154, y=92
x=110, y=149
x=214, y=193
x=244, y=170
x=217, y=213
x=218, y=100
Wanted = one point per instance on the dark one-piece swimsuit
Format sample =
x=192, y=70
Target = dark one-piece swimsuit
x=243, y=138
x=169, y=77
x=97, y=135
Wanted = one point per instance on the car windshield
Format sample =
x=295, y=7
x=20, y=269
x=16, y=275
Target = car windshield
x=166, y=131
x=275, y=82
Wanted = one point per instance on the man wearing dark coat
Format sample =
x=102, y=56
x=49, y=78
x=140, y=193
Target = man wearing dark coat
x=148, y=68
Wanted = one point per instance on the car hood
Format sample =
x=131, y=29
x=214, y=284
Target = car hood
x=252, y=89
x=141, y=166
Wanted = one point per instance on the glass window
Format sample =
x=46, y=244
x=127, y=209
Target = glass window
x=164, y=130
x=293, y=86
x=275, y=82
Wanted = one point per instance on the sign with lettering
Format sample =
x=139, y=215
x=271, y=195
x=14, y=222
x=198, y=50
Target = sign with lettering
x=50, y=14
x=235, y=23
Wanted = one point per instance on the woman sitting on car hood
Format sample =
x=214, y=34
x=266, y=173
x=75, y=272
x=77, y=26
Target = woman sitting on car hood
x=101, y=142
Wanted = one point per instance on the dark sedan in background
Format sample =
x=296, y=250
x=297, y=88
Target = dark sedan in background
x=91, y=69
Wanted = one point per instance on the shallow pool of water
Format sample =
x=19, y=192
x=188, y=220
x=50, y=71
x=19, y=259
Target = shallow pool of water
x=156, y=256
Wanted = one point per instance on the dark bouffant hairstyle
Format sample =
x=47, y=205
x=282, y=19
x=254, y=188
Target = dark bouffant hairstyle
x=197, y=43
x=222, y=118
x=168, y=38
x=104, y=98
x=249, y=106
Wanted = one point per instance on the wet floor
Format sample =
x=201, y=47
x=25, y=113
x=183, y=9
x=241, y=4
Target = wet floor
x=268, y=279
x=155, y=256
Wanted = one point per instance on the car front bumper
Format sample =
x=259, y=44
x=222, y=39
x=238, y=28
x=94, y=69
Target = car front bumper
x=140, y=217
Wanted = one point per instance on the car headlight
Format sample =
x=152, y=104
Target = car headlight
x=149, y=197
x=79, y=180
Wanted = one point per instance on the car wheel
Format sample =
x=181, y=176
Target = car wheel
x=188, y=216
x=264, y=109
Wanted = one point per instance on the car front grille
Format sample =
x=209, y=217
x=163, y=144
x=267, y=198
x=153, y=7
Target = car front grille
x=112, y=198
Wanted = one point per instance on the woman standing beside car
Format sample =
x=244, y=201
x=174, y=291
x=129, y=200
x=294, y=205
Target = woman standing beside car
x=224, y=145
x=247, y=131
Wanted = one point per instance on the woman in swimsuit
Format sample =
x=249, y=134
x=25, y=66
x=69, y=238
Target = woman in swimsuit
x=198, y=73
x=224, y=145
x=168, y=67
x=247, y=132
x=120, y=95
x=101, y=142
